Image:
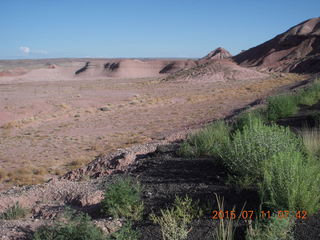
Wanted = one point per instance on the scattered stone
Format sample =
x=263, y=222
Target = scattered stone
x=108, y=226
x=104, y=109
x=88, y=199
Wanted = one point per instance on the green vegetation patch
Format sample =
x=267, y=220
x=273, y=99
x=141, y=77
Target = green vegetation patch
x=123, y=199
x=281, y=106
x=291, y=181
x=14, y=212
x=311, y=95
x=126, y=232
x=76, y=227
x=175, y=222
x=274, y=228
x=207, y=142
x=253, y=145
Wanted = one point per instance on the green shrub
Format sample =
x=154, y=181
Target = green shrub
x=291, y=181
x=123, y=199
x=14, y=212
x=76, y=227
x=281, y=106
x=174, y=222
x=249, y=119
x=206, y=142
x=274, y=228
x=250, y=147
x=125, y=233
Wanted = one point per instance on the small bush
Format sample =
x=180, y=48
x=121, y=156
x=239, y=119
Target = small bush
x=14, y=212
x=125, y=233
x=281, y=106
x=123, y=199
x=274, y=228
x=250, y=147
x=311, y=140
x=77, y=227
x=291, y=181
x=207, y=142
x=174, y=222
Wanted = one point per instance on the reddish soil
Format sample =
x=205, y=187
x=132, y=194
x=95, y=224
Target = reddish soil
x=296, y=50
x=215, y=70
x=52, y=120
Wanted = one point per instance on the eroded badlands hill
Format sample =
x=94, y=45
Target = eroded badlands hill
x=296, y=50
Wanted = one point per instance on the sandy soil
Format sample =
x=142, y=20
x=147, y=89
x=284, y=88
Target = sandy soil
x=49, y=127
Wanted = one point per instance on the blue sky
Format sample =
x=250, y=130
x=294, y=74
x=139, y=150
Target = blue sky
x=142, y=28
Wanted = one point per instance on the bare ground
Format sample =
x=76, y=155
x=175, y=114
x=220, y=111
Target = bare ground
x=50, y=127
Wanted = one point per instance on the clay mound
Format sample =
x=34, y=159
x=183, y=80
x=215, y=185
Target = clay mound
x=132, y=68
x=216, y=70
x=218, y=53
x=296, y=50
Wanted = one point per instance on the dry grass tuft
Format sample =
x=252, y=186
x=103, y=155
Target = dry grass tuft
x=3, y=174
x=77, y=163
x=40, y=171
x=23, y=176
x=10, y=125
x=311, y=139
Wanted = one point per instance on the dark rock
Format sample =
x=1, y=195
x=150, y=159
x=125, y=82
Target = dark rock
x=104, y=109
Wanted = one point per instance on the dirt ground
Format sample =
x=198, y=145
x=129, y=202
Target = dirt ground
x=163, y=174
x=50, y=127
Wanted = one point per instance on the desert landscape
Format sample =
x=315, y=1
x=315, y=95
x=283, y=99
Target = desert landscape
x=71, y=127
x=51, y=126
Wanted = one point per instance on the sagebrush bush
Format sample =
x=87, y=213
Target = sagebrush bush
x=208, y=141
x=123, y=199
x=291, y=181
x=281, y=106
x=175, y=222
x=14, y=212
x=254, y=144
x=76, y=227
x=126, y=232
x=274, y=228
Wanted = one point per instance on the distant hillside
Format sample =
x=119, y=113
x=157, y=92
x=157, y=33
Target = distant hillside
x=296, y=50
